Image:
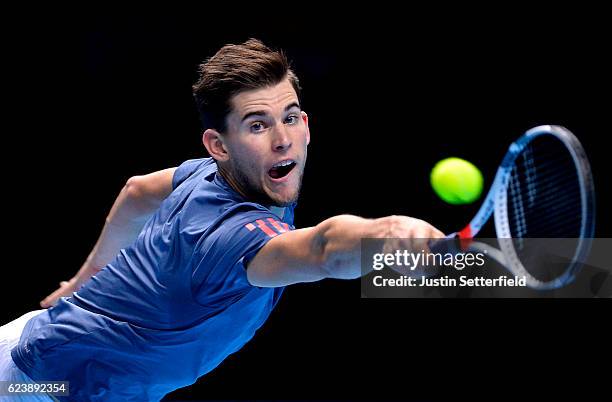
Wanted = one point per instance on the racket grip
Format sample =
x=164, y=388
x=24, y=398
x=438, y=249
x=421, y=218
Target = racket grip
x=450, y=244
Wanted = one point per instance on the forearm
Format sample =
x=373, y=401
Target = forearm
x=122, y=225
x=137, y=201
x=340, y=239
x=331, y=249
x=340, y=243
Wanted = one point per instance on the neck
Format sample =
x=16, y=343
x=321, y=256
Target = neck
x=233, y=183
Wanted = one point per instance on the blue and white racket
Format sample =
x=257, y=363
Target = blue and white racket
x=543, y=189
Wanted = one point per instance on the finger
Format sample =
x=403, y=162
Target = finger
x=422, y=233
x=437, y=234
x=45, y=303
x=51, y=299
x=48, y=301
x=421, y=244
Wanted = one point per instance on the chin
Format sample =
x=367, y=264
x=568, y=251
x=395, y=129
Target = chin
x=284, y=201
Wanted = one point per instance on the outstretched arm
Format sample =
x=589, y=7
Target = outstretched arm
x=329, y=250
x=137, y=201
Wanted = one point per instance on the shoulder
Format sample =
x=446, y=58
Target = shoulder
x=190, y=167
x=254, y=219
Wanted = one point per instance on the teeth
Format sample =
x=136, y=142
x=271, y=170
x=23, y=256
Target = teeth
x=283, y=163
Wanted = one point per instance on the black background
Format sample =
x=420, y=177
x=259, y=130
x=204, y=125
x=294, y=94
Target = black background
x=94, y=97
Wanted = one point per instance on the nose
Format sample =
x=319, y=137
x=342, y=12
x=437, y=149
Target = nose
x=281, y=141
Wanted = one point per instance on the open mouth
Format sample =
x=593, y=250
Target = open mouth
x=281, y=169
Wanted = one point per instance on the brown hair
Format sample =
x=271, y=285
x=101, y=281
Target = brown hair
x=233, y=69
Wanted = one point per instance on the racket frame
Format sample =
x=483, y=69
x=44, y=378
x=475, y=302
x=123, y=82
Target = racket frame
x=496, y=203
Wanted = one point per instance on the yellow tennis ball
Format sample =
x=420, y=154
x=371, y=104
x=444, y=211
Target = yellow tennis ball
x=456, y=181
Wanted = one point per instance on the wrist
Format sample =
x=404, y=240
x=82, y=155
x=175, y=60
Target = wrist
x=384, y=227
x=75, y=283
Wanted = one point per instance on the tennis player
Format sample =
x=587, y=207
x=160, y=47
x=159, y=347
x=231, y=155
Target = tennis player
x=192, y=260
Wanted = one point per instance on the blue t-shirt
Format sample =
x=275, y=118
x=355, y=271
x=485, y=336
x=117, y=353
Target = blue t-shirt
x=169, y=308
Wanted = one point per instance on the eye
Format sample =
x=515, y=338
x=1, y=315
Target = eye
x=292, y=119
x=257, y=127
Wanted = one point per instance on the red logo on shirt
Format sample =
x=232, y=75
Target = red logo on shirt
x=271, y=227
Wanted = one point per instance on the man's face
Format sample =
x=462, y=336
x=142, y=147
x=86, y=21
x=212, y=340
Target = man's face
x=266, y=140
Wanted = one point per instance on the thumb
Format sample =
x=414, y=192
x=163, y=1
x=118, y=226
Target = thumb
x=45, y=303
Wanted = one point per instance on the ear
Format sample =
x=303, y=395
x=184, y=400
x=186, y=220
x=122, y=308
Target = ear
x=214, y=143
x=305, y=118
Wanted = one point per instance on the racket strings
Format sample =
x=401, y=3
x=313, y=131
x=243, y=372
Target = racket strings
x=562, y=205
x=556, y=201
x=544, y=201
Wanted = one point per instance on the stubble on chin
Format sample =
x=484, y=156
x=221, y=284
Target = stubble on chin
x=257, y=193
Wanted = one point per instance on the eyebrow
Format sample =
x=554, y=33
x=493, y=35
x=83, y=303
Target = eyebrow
x=262, y=113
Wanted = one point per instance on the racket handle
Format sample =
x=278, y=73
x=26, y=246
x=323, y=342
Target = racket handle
x=450, y=244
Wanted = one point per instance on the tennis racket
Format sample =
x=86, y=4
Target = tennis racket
x=543, y=189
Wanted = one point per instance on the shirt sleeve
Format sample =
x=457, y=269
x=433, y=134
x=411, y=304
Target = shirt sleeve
x=186, y=169
x=219, y=275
